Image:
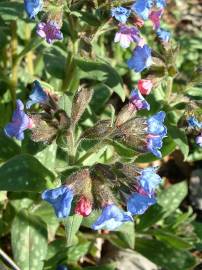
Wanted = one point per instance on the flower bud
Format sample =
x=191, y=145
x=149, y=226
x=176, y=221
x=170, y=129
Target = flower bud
x=145, y=86
x=99, y=131
x=83, y=207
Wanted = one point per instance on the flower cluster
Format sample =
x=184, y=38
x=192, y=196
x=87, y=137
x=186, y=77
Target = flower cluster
x=141, y=59
x=49, y=28
x=143, y=185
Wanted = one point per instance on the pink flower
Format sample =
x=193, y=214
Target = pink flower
x=155, y=17
x=145, y=86
x=83, y=207
x=126, y=35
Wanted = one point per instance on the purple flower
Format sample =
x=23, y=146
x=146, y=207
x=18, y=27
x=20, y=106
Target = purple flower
x=137, y=203
x=160, y=3
x=111, y=218
x=163, y=35
x=155, y=17
x=120, y=13
x=142, y=8
x=149, y=180
x=62, y=267
x=20, y=122
x=50, y=31
x=38, y=95
x=193, y=122
x=156, y=132
x=137, y=100
x=32, y=7
x=198, y=140
x=141, y=58
x=126, y=35
x=60, y=198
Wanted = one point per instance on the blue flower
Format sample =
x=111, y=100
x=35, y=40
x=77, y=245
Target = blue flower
x=163, y=34
x=33, y=7
x=111, y=218
x=20, y=122
x=120, y=13
x=138, y=101
x=149, y=180
x=142, y=8
x=37, y=95
x=141, y=58
x=160, y=3
x=60, y=198
x=155, y=124
x=137, y=203
x=154, y=143
x=193, y=122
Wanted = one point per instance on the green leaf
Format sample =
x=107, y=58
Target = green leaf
x=100, y=97
x=47, y=156
x=180, y=138
x=171, y=239
x=102, y=72
x=127, y=234
x=88, y=221
x=11, y=10
x=164, y=255
x=25, y=173
x=78, y=251
x=65, y=103
x=8, y=147
x=152, y=216
x=29, y=241
x=170, y=198
x=72, y=225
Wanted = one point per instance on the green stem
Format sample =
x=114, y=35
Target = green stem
x=92, y=150
x=29, y=55
x=169, y=89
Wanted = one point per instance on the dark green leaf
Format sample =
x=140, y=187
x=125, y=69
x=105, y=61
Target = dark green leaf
x=25, y=173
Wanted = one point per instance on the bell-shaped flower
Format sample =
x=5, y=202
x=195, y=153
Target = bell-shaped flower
x=142, y=8
x=50, y=31
x=83, y=207
x=193, y=122
x=38, y=95
x=149, y=180
x=155, y=124
x=163, y=35
x=111, y=218
x=20, y=122
x=160, y=3
x=138, y=203
x=137, y=100
x=155, y=17
x=145, y=86
x=126, y=35
x=141, y=58
x=60, y=198
x=121, y=14
x=33, y=7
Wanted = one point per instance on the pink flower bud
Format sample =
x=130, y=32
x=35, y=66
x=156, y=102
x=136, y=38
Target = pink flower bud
x=83, y=207
x=145, y=86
